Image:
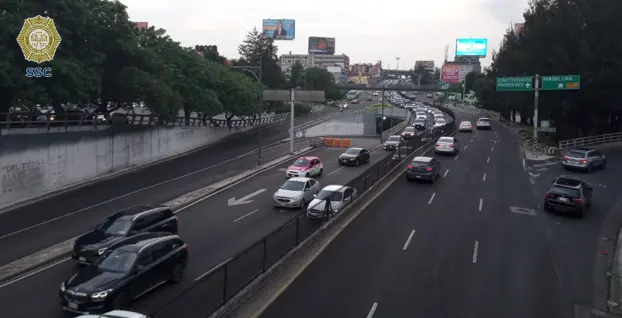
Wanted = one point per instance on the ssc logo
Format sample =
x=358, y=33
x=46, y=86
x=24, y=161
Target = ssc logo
x=39, y=39
x=39, y=72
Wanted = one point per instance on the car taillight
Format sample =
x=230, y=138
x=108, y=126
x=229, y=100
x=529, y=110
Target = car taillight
x=410, y=166
x=428, y=169
x=578, y=200
x=438, y=145
x=177, y=217
x=584, y=161
x=452, y=145
x=565, y=157
x=548, y=196
x=186, y=246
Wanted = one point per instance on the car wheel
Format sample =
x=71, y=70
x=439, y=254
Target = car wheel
x=120, y=301
x=546, y=207
x=581, y=213
x=433, y=179
x=356, y=162
x=177, y=273
x=590, y=168
x=321, y=172
x=603, y=164
x=303, y=203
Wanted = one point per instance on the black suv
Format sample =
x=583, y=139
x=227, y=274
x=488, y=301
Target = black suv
x=120, y=225
x=354, y=157
x=423, y=168
x=128, y=269
x=569, y=194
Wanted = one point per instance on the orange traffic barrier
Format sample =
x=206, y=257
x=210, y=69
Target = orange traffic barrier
x=337, y=142
x=346, y=143
x=329, y=142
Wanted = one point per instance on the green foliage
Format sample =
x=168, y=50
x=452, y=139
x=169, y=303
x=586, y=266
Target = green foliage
x=299, y=108
x=563, y=37
x=103, y=59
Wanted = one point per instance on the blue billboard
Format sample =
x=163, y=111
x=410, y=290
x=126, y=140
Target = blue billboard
x=471, y=47
x=280, y=29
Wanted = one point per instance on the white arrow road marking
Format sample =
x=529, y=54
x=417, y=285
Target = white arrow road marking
x=525, y=211
x=244, y=199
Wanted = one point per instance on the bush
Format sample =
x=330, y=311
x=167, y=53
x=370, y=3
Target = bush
x=299, y=109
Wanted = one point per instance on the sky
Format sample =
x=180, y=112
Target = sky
x=409, y=29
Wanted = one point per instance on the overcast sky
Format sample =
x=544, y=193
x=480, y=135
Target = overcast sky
x=367, y=31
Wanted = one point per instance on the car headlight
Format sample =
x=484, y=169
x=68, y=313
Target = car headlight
x=62, y=287
x=101, y=251
x=102, y=294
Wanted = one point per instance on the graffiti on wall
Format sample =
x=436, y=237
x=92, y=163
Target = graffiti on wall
x=23, y=175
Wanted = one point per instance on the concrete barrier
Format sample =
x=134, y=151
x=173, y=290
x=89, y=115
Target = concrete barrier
x=31, y=171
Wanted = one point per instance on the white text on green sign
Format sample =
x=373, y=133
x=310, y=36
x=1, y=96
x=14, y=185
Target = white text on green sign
x=514, y=83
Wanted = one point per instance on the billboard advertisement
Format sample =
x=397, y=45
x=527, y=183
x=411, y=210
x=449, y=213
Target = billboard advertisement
x=280, y=29
x=471, y=47
x=518, y=27
x=321, y=45
x=428, y=65
x=450, y=73
x=141, y=25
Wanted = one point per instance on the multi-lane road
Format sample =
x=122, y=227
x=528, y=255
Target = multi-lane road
x=475, y=244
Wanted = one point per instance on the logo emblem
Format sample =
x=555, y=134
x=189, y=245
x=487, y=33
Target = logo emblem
x=39, y=39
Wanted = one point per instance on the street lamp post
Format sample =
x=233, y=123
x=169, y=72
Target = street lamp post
x=256, y=72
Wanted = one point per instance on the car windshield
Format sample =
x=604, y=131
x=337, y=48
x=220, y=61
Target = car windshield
x=115, y=226
x=118, y=261
x=394, y=138
x=293, y=185
x=352, y=151
x=409, y=129
x=419, y=164
x=576, y=154
x=446, y=139
x=484, y=120
x=301, y=163
x=466, y=123
x=569, y=192
x=330, y=195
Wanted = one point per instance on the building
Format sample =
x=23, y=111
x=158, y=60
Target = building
x=286, y=61
x=427, y=65
x=466, y=68
x=365, y=69
x=339, y=73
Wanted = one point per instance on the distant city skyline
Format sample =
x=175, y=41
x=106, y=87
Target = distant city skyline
x=412, y=30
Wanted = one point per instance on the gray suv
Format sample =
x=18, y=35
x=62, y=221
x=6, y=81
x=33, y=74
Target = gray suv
x=584, y=159
x=423, y=168
x=570, y=195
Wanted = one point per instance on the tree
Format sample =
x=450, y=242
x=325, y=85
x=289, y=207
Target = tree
x=258, y=49
x=297, y=76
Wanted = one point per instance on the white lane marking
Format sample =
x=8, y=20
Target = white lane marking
x=471, y=140
x=34, y=272
x=524, y=166
x=155, y=185
x=245, y=215
x=339, y=169
x=445, y=174
x=432, y=198
x=245, y=199
x=481, y=203
x=465, y=147
x=524, y=211
x=488, y=160
x=457, y=156
x=484, y=178
x=475, y=251
x=213, y=268
x=410, y=237
x=372, y=310
x=492, y=149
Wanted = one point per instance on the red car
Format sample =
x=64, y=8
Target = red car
x=305, y=167
x=408, y=132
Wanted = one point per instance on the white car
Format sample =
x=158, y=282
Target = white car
x=447, y=145
x=296, y=193
x=116, y=314
x=483, y=123
x=439, y=123
x=466, y=126
x=421, y=117
x=339, y=197
x=439, y=116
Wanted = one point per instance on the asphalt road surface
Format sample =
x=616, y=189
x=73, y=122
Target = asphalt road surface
x=213, y=230
x=33, y=227
x=475, y=244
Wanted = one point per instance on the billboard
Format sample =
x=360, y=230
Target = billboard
x=321, y=45
x=428, y=65
x=450, y=73
x=518, y=27
x=141, y=25
x=471, y=47
x=279, y=29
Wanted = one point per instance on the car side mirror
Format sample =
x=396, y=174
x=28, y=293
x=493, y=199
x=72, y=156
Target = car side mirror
x=315, y=195
x=307, y=189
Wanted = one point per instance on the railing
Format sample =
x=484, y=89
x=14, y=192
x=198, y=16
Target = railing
x=591, y=140
x=224, y=281
x=398, y=127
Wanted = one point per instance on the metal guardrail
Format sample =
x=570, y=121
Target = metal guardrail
x=225, y=281
x=591, y=140
x=398, y=127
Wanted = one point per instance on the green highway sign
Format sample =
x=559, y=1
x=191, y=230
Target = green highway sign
x=560, y=82
x=515, y=83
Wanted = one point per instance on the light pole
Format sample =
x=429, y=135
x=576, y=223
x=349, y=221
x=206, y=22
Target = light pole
x=256, y=72
x=397, y=66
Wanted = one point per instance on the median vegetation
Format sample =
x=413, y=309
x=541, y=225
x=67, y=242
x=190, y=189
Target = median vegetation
x=561, y=38
x=110, y=63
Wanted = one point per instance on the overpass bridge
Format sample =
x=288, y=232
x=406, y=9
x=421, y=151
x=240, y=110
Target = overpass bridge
x=391, y=87
x=395, y=72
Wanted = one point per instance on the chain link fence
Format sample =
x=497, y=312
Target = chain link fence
x=224, y=281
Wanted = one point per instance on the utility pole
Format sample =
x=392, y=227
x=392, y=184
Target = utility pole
x=397, y=66
x=536, y=89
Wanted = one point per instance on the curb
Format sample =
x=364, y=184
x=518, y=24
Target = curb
x=63, y=250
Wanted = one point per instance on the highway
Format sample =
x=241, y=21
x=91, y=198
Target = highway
x=36, y=226
x=213, y=230
x=474, y=244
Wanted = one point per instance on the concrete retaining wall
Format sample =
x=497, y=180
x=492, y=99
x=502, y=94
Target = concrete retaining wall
x=32, y=165
x=361, y=125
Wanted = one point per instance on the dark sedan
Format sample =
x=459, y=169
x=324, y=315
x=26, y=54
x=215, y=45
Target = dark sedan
x=354, y=157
